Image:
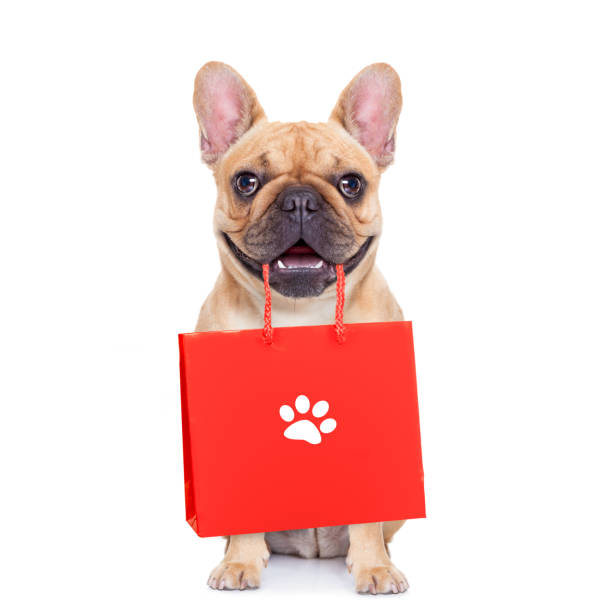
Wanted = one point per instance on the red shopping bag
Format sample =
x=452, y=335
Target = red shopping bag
x=306, y=427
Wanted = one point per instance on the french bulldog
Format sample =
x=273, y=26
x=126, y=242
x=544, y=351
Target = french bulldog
x=301, y=197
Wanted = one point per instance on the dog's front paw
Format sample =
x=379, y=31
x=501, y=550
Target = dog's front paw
x=375, y=579
x=235, y=575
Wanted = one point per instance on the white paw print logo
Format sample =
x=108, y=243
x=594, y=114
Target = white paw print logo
x=305, y=429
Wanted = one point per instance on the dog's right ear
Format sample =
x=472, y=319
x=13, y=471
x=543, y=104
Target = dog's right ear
x=226, y=107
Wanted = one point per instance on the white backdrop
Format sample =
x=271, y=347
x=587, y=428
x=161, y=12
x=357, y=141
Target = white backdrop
x=496, y=243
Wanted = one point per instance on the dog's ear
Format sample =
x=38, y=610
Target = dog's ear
x=369, y=108
x=226, y=107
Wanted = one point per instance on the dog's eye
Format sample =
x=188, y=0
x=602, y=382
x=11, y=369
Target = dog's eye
x=350, y=185
x=246, y=184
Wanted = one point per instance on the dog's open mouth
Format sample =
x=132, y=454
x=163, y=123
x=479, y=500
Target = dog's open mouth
x=299, y=271
x=299, y=257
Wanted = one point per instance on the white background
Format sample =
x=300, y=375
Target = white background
x=497, y=245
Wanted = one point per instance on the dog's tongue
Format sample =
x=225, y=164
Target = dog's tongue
x=300, y=256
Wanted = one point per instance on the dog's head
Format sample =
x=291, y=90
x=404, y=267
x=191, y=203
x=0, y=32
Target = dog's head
x=301, y=197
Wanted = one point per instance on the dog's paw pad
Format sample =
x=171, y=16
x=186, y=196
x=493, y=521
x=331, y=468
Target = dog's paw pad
x=235, y=575
x=380, y=579
x=305, y=429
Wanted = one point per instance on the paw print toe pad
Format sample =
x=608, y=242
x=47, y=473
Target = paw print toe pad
x=286, y=413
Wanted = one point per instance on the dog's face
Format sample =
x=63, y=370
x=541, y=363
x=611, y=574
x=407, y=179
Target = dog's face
x=301, y=197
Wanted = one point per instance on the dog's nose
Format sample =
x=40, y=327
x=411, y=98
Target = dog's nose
x=300, y=200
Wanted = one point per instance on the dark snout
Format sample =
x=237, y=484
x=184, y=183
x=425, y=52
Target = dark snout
x=301, y=237
x=301, y=202
x=300, y=213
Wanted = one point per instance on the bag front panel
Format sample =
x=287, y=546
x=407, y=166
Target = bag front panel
x=252, y=471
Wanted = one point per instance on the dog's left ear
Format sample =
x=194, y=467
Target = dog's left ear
x=226, y=107
x=369, y=108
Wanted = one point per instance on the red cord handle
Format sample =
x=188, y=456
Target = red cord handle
x=340, y=290
x=267, y=330
x=340, y=287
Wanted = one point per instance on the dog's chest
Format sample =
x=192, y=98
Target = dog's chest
x=320, y=542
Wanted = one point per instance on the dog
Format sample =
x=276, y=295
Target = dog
x=301, y=197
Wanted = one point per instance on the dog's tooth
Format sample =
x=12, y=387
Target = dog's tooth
x=281, y=264
x=319, y=264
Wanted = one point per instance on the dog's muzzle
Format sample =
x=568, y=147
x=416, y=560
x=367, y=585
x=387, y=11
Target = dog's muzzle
x=302, y=238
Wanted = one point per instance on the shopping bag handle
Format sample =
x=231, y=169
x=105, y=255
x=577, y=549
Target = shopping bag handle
x=340, y=288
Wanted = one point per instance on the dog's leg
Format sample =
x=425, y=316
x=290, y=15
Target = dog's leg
x=245, y=557
x=389, y=529
x=369, y=562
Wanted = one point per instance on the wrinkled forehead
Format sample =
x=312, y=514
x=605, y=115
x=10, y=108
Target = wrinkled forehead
x=297, y=150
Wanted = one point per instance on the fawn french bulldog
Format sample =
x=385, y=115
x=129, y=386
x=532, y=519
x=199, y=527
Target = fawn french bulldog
x=301, y=197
